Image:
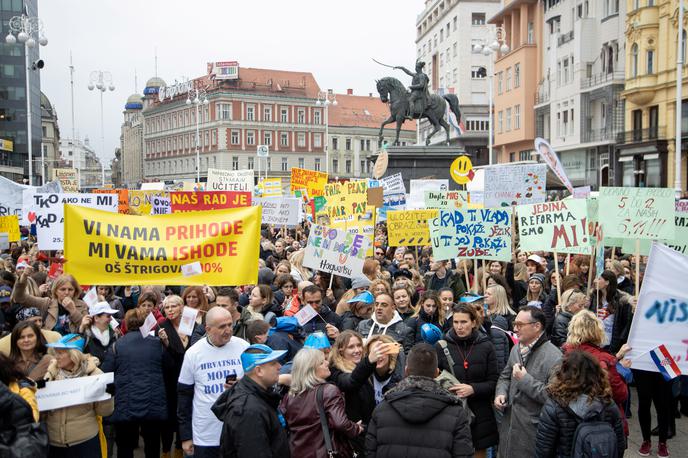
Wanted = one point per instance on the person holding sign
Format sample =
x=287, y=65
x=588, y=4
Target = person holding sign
x=614, y=308
x=140, y=402
x=73, y=430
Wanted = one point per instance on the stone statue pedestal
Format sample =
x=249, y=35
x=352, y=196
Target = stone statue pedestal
x=419, y=161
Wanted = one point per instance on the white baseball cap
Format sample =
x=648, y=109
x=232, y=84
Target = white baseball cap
x=535, y=258
x=101, y=307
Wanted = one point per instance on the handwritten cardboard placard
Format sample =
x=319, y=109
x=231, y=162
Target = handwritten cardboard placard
x=229, y=180
x=310, y=180
x=507, y=185
x=336, y=251
x=409, y=227
x=638, y=213
x=555, y=226
x=279, y=211
x=472, y=233
x=416, y=197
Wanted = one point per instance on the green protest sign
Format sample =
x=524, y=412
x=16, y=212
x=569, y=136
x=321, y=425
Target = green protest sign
x=560, y=226
x=449, y=200
x=679, y=242
x=637, y=213
x=471, y=233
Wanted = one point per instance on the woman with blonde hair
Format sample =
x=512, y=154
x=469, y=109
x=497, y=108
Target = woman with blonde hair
x=498, y=309
x=298, y=271
x=63, y=311
x=309, y=398
x=379, y=286
x=573, y=301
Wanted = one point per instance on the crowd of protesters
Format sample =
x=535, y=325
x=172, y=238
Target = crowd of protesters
x=414, y=357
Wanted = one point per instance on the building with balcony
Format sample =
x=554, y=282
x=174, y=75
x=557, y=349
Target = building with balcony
x=80, y=155
x=516, y=74
x=255, y=107
x=646, y=148
x=446, y=31
x=354, y=125
x=578, y=108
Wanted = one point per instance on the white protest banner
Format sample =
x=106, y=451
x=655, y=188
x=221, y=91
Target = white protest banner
x=416, y=199
x=21, y=195
x=148, y=325
x=550, y=157
x=279, y=211
x=637, y=213
x=520, y=184
x=160, y=205
x=336, y=251
x=555, y=226
x=73, y=391
x=11, y=200
x=306, y=314
x=49, y=216
x=188, y=320
x=229, y=180
x=661, y=315
x=393, y=184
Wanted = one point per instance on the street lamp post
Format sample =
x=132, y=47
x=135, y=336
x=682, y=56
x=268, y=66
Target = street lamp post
x=102, y=81
x=498, y=44
x=26, y=28
x=197, y=97
x=327, y=98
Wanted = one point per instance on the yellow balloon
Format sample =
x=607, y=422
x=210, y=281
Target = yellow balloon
x=461, y=170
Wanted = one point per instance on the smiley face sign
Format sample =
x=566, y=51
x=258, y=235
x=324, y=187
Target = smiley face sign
x=461, y=170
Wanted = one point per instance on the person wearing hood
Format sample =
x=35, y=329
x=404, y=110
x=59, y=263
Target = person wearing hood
x=470, y=357
x=73, y=430
x=428, y=310
x=418, y=417
x=521, y=388
x=386, y=320
x=579, y=391
x=252, y=426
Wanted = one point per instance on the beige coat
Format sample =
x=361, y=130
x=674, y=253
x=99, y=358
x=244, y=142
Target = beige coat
x=75, y=424
x=49, y=307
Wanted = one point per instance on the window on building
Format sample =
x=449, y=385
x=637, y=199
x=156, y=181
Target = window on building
x=317, y=140
x=634, y=60
x=335, y=165
x=225, y=110
x=475, y=42
x=477, y=18
x=335, y=143
x=517, y=75
x=250, y=113
x=301, y=116
x=565, y=77
x=213, y=138
x=267, y=114
x=348, y=166
x=235, y=162
x=301, y=140
x=650, y=62
x=363, y=167
x=284, y=139
x=301, y=163
x=455, y=49
x=284, y=115
x=500, y=77
x=235, y=137
x=508, y=80
x=455, y=75
x=478, y=72
x=455, y=23
x=207, y=138
x=362, y=145
x=654, y=121
x=500, y=122
x=251, y=164
x=572, y=123
x=316, y=117
x=508, y=119
x=523, y=155
x=512, y=157
x=348, y=144
x=250, y=137
x=285, y=164
x=267, y=138
x=517, y=117
x=317, y=164
x=531, y=33
x=441, y=35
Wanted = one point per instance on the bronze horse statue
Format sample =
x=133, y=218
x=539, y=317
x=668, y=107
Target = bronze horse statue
x=392, y=91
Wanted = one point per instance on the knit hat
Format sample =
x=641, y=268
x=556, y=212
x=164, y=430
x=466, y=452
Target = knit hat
x=360, y=282
x=538, y=277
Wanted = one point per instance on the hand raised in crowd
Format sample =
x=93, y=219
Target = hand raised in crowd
x=500, y=402
x=462, y=390
x=330, y=295
x=518, y=372
x=68, y=304
x=331, y=331
x=86, y=322
x=375, y=352
x=27, y=272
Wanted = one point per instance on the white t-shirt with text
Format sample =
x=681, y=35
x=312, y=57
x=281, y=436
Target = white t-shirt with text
x=206, y=367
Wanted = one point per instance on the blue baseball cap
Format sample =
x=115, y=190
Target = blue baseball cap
x=469, y=298
x=250, y=361
x=69, y=342
x=430, y=333
x=288, y=324
x=317, y=340
x=365, y=297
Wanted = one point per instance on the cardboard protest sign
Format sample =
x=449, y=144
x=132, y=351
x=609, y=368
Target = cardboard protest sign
x=449, y=200
x=662, y=311
x=16, y=194
x=416, y=197
x=310, y=180
x=279, y=211
x=161, y=205
x=271, y=187
x=409, y=227
x=348, y=198
x=105, y=249
x=10, y=226
x=68, y=178
x=550, y=157
x=49, y=216
x=229, y=180
x=393, y=184
x=555, y=226
x=122, y=198
x=677, y=243
x=74, y=391
x=185, y=201
x=141, y=202
x=521, y=184
x=472, y=233
x=638, y=213
x=336, y=251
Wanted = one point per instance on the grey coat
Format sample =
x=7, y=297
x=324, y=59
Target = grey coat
x=524, y=398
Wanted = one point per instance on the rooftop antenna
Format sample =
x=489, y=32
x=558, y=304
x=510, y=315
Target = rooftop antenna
x=71, y=82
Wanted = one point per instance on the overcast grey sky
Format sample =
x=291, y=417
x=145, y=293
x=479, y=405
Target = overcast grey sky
x=334, y=40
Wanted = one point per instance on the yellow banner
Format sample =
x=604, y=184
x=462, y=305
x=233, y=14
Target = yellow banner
x=271, y=187
x=310, y=180
x=197, y=248
x=141, y=202
x=409, y=227
x=344, y=199
x=10, y=224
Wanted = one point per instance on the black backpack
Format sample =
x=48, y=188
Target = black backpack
x=594, y=438
x=20, y=437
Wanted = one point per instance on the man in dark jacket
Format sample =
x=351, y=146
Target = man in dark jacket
x=253, y=427
x=443, y=277
x=418, y=417
x=327, y=321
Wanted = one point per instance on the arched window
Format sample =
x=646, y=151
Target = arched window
x=634, y=60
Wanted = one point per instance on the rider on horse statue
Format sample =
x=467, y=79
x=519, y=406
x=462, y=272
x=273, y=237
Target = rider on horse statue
x=420, y=96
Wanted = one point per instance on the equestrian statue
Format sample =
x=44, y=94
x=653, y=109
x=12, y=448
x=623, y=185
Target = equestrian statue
x=416, y=102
